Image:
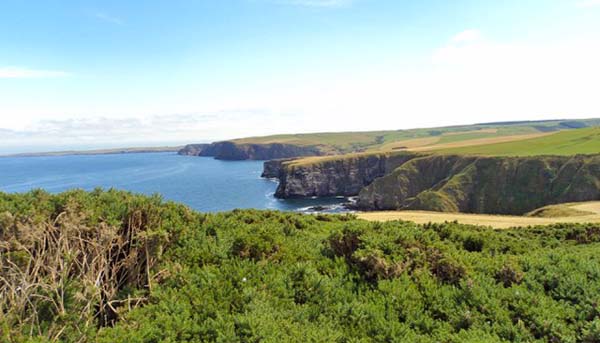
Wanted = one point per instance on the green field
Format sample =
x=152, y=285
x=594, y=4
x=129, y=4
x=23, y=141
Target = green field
x=348, y=142
x=566, y=142
x=116, y=267
x=571, y=142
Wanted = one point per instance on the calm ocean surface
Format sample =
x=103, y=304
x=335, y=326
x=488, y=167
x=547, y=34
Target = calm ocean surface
x=203, y=183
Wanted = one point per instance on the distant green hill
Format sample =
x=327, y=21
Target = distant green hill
x=571, y=142
x=424, y=139
x=344, y=142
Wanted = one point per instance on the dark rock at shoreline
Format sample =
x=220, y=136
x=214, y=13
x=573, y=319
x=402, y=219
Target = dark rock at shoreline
x=345, y=176
x=447, y=183
x=193, y=149
x=273, y=168
x=233, y=151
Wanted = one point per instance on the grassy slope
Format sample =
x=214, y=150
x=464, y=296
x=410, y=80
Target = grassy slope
x=581, y=141
x=563, y=213
x=266, y=276
x=316, y=160
x=347, y=142
x=491, y=185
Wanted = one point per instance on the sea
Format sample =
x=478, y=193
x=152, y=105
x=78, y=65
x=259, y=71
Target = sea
x=203, y=183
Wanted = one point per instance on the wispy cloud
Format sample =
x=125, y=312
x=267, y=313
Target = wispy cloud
x=588, y=3
x=105, y=17
x=315, y=3
x=56, y=134
x=28, y=73
x=467, y=36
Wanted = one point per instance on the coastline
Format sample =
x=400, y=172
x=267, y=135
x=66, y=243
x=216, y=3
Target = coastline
x=115, y=151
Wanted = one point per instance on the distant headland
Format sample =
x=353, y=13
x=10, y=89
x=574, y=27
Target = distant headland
x=114, y=151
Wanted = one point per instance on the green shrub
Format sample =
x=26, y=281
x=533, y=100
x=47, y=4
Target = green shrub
x=267, y=276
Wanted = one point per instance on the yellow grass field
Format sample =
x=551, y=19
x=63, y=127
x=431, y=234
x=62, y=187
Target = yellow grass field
x=493, y=130
x=431, y=143
x=495, y=221
x=410, y=143
x=480, y=141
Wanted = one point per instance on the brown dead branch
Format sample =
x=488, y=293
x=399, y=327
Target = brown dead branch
x=64, y=266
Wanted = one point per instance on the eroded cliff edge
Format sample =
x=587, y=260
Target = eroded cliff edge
x=449, y=183
x=333, y=176
x=234, y=151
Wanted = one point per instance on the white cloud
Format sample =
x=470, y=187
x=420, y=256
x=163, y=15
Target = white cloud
x=316, y=3
x=466, y=80
x=23, y=73
x=467, y=36
x=517, y=79
x=588, y=3
x=97, y=132
x=108, y=18
x=461, y=82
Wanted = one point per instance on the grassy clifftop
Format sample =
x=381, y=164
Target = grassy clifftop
x=115, y=267
x=582, y=141
x=335, y=143
x=348, y=142
x=501, y=178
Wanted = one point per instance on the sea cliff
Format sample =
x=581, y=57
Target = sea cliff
x=500, y=185
x=234, y=151
x=272, y=168
x=335, y=176
x=447, y=183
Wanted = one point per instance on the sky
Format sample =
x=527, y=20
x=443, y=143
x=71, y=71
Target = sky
x=112, y=73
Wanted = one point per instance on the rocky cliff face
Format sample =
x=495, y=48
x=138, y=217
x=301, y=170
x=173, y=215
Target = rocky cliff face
x=273, y=168
x=344, y=176
x=500, y=185
x=448, y=183
x=193, y=149
x=233, y=151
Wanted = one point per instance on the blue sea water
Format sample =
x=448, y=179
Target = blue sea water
x=203, y=183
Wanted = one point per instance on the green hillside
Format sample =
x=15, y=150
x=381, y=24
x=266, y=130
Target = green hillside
x=571, y=142
x=116, y=267
x=347, y=142
x=476, y=184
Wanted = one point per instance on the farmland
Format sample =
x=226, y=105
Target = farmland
x=582, y=141
x=584, y=213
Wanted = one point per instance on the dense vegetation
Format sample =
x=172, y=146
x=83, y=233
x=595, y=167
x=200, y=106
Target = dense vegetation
x=116, y=267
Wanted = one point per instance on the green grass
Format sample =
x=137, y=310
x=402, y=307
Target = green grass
x=348, y=142
x=570, y=142
x=318, y=160
x=466, y=136
x=341, y=141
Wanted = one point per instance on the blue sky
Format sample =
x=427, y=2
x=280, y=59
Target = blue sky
x=106, y=73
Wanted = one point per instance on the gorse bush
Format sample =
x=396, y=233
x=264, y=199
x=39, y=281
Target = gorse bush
x=109, y=266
